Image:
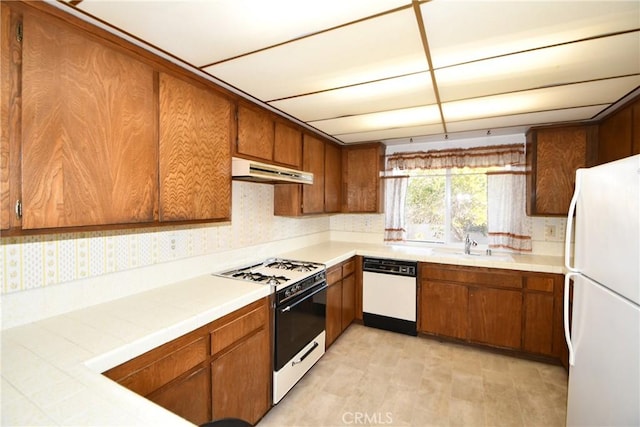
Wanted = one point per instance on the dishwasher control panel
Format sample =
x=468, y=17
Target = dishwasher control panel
x=390, y=266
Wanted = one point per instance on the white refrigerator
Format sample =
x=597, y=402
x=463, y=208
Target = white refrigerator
x=604, y=337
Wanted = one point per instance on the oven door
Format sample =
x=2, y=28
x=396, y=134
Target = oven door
x=298, y=322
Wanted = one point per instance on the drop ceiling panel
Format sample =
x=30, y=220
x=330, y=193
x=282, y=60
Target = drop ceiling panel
x=576, y=95
x=379, y=135
x=463, y=31
x=424, y=115
x=543, y=117
x=204, y=32
x=596, y=59
x=383, y=95
x=374, y=49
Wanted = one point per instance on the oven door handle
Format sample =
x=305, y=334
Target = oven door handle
x=289, y=307
x=304, y=356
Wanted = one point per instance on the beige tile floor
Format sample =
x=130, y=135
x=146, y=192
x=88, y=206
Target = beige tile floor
x=374, y=377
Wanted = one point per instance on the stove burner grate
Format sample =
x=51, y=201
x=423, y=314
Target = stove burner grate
x=282, y=264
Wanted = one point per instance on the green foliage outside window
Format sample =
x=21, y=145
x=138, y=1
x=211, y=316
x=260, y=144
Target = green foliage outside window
x=456, y=198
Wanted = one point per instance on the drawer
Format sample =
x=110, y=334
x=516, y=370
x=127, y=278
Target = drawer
x=334, y=274
x=161, y=371
x=472, y=276
x=539, y=283
x=233, y=331
x=348, y=268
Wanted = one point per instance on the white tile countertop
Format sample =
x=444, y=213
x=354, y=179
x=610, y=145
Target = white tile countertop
x=51, y=368
x=334, y=252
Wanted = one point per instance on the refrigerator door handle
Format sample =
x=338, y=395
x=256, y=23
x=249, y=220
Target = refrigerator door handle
x=567, y=331
x=569, y=229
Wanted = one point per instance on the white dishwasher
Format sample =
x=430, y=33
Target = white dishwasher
x=389, y=295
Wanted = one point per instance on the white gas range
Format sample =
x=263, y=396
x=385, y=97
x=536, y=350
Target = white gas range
x=300, y=300
x=277, y=272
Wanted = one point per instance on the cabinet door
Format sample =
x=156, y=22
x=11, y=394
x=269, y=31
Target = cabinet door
x=615, y=136
x=287, y=146
x=334, y=313
x=553, y=155
x=188, y=397
x=361, y=179
x=255, y=133
x=538, y=323
x=89, y=149
x=333, y=178
x=195, y=152
x=495, y=317
x=313, y=161
x=11, y=53
x=443, y=309
x=348, y=300
x=241, y=379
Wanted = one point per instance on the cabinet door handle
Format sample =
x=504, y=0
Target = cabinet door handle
x=18, y=209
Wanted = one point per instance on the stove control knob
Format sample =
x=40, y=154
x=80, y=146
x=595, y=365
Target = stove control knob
x=287, y=293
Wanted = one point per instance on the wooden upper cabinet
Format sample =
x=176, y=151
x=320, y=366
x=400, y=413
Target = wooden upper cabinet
x=255, y=133
x=313, y=161
x=89, y=148
x=361, y=166
x=196, y=126
x=9, y=99
x=301, y=199
x=553, y=155
x=619, y=134
x=332, y=178
x=287, y=148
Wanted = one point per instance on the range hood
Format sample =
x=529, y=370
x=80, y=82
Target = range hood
x=250, y=170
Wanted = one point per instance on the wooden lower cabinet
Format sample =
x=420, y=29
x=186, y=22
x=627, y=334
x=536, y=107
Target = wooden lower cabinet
x=188, y=397
x=341, y=299
x=495, y=317
x=220, y=370
x=334, y=313
x=348, y=300
x=241, y=380
x=444, y=308
x=538, y=325
x=508, y=309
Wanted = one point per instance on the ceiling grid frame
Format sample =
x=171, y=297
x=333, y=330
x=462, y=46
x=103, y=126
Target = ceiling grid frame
x=491, y=40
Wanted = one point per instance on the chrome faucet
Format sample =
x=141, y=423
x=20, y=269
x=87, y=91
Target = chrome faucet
x=467, y=245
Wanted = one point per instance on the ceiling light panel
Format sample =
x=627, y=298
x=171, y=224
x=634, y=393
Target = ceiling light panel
x=383, y=95
x=462, y=31
x=374, y=49
x=527, y=119
x=424, y=115
x=589, y=60
x=380, y=135
x=575, y=95
x=203, y=32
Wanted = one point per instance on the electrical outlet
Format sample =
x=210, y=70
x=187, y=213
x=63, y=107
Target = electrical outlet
x=550, y=231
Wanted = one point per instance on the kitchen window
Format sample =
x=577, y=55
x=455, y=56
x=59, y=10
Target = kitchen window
x=444, y=205
x=441, y=196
